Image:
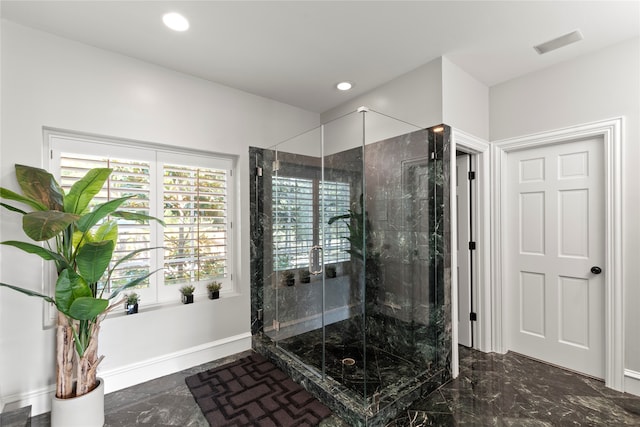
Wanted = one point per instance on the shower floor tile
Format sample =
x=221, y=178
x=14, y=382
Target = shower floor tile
x=365, y=373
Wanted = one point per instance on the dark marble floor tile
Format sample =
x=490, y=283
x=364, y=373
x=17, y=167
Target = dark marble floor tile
x=492, y=390
x=513, y=390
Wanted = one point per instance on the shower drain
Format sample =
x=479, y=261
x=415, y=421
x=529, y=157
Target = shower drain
x=347, y=361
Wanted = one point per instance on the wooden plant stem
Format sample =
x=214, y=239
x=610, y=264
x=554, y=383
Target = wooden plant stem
x=64, y=358
x=88, y=364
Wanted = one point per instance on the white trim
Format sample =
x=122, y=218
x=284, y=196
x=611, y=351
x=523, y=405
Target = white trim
x=611, y=133
x=39, y=399
x=632, y=382
x=479, y=149
x=453, y=237
x=139, y=372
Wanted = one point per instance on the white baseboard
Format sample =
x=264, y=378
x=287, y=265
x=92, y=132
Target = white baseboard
x=632, y=382
x=40, y=400
x=139, y=372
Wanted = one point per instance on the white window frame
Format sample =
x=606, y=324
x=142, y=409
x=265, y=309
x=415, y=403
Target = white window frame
x=157, y=293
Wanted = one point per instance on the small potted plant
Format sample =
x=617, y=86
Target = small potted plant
x=330, y=270
x=305, y=275
x=131, y=303
x=214, y=289
x=288, y=278
x=187, y=293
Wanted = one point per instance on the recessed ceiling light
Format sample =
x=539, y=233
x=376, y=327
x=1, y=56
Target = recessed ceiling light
x=558, y=42
x=175, y=21
x=344, y=85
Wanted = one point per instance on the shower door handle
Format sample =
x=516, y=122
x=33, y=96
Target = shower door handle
x=315, y=249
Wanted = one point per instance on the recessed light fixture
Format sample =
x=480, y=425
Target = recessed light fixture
x=438, y=129
x=558, y=42
x=344, y=86
x=175, y=21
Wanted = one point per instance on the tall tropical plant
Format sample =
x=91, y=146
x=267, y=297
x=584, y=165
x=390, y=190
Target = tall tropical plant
x=80, y=241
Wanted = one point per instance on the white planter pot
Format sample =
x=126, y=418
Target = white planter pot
x=84, y=411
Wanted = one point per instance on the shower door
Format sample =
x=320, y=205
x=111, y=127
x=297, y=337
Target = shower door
x=316, y=290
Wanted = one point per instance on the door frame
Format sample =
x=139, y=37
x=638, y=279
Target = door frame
x=464, y=223
x=611, y=133
x=480, y=151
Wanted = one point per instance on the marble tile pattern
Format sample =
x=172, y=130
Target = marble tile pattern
x=492, y=390
x=513, y=390
x=397, y=301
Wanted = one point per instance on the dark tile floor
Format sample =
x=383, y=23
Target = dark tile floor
x=492, y=390
x=512, y=390
x=363, y=372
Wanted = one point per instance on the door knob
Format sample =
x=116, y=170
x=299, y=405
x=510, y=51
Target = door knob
x=596, y=270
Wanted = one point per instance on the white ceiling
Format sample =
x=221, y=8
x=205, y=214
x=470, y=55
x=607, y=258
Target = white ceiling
x=296, y=51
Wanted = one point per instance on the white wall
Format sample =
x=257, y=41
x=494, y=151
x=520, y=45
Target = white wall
x=590, y=88
x=415, y=97
x=465, y=101
x=437, y=92
x=50, y=81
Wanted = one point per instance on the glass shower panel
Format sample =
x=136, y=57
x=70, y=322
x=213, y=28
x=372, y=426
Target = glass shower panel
x=407, y=207
x=343, y=242
x=325, y=331
x=292, y=297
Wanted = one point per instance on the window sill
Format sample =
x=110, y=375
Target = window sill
x=142, y=308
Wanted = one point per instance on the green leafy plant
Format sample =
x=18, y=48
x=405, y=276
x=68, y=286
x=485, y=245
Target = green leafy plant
x=355, y=222
x=305, y=275
x=80, y=242
x=214, y=286
x=187, y=290
x=288, y=278
x=132, y=298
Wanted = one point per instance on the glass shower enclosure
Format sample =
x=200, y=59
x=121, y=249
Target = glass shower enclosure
x=350, y=262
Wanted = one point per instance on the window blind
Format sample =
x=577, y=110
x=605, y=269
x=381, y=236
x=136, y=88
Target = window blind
x=195, y=213
x=296, y=220
x=129, y=178
x=336, y=198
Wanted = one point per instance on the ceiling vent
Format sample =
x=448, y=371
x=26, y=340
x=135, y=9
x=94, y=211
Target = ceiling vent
x=557, y=43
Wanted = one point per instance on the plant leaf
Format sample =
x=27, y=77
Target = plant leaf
x=89, y=220
x=335, y=218
x=28, y=292
x=43, y=253
x=87, y=308
x=128, y=257
x=10, y=195
x=12, y=208
x=131, y=284
x=134, y=216
x=41, y=186
x=93, y=258
x=45, y=225
x=108, y=230
x=69, y=287
x=80, y=238
x=84, y=190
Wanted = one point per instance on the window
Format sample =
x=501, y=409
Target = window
x=195, y=213
x=297, y=203
x=336, y=197
x=191, y=192
x=129, y=178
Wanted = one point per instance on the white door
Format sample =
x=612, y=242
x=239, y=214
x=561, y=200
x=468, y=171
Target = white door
x=464, y=237
x=555, y=235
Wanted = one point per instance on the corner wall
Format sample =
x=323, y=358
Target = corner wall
x=415, y=97
x=54, y=82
